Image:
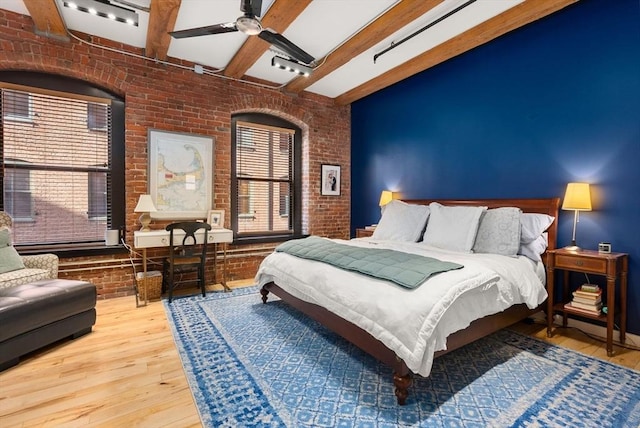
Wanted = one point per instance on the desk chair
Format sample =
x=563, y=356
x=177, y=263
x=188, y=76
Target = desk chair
x=185, y=256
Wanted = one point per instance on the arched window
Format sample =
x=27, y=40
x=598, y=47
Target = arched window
x=67, y=188
x=266, y=178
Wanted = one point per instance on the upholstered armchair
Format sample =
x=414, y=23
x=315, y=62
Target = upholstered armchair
x=36, y=267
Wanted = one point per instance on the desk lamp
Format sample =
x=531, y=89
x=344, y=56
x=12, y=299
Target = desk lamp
x=576, y=198
x=145, y=206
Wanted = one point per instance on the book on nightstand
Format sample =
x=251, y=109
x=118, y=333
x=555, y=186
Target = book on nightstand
x=587, y=299
x=571, y=306
x=372, y=227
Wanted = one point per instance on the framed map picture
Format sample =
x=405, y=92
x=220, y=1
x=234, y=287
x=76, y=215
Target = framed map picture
x=180, y=175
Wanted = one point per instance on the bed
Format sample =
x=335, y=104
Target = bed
x=490, y=292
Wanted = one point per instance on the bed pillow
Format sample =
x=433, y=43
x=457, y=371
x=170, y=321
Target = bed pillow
x=401, y=222
x=10, y=260
x=533, y=225
x=452, y=227
x=535, y=248
x=499, y=232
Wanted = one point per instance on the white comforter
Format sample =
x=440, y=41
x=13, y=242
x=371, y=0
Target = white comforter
x=413, y=323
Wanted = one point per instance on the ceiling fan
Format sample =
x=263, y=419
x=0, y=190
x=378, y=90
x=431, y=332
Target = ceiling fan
x=250, y=25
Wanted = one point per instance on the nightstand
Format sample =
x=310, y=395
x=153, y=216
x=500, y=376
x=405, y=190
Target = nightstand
x=613, y=266
x=363, y=233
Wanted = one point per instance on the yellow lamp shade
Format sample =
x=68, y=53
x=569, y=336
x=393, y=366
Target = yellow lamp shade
x=577, y=197
x=385, y=197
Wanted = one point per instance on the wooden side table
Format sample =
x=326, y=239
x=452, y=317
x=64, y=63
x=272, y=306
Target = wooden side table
x=361, y=232
x=613, y=266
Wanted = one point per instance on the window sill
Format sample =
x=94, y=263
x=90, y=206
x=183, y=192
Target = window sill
x=71, y=250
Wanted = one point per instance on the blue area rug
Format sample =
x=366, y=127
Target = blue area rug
x=255, y=365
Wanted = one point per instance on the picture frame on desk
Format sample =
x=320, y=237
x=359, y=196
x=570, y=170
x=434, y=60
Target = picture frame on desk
x=181, y=171
x=216, y=219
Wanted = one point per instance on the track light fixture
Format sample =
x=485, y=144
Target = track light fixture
x=291, y=65
x=104, y=9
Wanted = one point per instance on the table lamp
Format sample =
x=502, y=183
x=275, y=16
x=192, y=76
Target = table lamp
x=145, y=206
x=576, y=198
x=385, y=197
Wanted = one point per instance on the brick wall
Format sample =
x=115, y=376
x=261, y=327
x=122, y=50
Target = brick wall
x=174, y=99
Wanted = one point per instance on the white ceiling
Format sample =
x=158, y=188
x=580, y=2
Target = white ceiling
x=321, y=28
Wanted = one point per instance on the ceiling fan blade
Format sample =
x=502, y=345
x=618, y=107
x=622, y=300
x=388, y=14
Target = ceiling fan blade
x=253, y=7
x=204, y=31
x=284, y=44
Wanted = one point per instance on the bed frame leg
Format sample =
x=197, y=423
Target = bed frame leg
x=264, y=293
x=402, y=384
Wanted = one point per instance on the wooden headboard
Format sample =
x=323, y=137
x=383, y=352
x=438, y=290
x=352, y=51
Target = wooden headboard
x=548, y=206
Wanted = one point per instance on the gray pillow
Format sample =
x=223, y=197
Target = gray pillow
x=10, y=260
x=499, y=232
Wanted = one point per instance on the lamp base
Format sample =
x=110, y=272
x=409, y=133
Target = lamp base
x=572, y=247
x=145, y=219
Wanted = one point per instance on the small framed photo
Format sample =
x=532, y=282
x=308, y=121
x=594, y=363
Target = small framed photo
x=330, y=180
x=216, y=219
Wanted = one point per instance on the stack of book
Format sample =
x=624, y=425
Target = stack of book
x=587, y=299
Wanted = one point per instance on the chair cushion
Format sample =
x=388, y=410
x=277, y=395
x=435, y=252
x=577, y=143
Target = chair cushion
x=22, y=276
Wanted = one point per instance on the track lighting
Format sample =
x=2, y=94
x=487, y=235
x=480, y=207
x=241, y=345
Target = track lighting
x=105, y=10
x=290, y=65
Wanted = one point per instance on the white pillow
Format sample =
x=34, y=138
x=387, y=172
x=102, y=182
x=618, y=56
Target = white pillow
x=499, y=232
x=533, y=225
x=401, y=222
x=535, y=248
x=452, y=228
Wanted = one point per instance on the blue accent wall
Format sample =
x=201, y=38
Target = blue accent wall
x=554, y=102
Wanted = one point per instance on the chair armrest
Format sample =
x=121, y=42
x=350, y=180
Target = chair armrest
x=42, y=261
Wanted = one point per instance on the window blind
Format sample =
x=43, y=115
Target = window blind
x=265, y=180
x=57, y=156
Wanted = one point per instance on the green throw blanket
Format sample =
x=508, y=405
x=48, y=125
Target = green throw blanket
x=406, y=269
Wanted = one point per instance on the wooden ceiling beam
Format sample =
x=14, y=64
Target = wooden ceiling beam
x=162, y=20
x=398, y=16
x=279, y=16
x=47, y=19
x=518, y=16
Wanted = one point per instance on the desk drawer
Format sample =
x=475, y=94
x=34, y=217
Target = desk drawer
x=581, y=264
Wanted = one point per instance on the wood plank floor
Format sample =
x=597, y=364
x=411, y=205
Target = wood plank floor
x=127, y=373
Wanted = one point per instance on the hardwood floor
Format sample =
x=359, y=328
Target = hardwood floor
x=127, y=373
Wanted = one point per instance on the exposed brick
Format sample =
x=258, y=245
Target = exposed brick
x=172, y=99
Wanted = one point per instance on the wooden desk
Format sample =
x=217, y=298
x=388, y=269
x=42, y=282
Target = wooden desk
x=613, y=266
x=160, y=238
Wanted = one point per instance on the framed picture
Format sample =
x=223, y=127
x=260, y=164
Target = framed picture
x=180, y=174
x=330, y=180
x=216, y=219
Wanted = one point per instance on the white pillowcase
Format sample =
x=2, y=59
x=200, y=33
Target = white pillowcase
x=533, y=225
x=452, y=227
x=499, y=232
x=401, y=222
x=535, y=248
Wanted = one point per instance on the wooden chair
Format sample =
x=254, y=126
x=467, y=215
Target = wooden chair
x=185, y=256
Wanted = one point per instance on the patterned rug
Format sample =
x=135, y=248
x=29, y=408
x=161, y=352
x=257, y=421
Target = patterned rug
x=255, y=365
